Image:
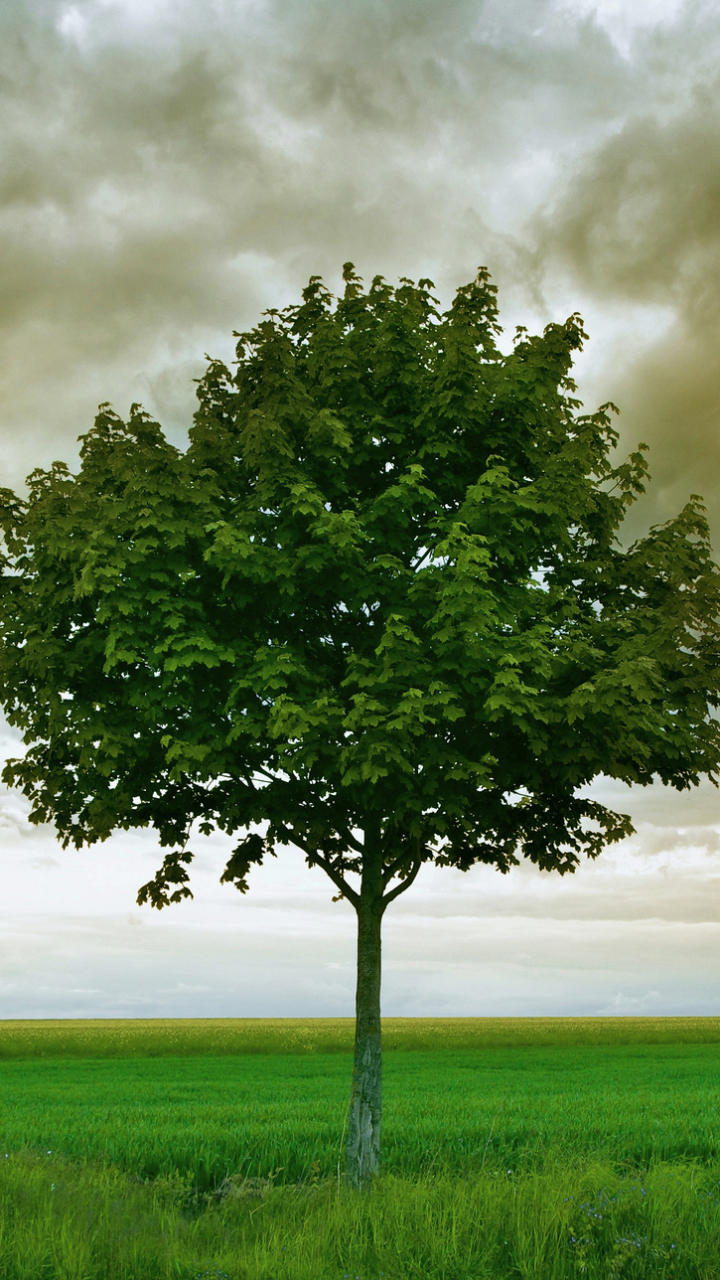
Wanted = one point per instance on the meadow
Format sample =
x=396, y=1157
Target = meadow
x=533, y=1148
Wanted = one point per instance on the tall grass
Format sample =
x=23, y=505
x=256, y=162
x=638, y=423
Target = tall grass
x=76, y=1222
x=547, y=1149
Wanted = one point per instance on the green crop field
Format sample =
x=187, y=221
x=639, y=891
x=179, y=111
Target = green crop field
x=534, y=1148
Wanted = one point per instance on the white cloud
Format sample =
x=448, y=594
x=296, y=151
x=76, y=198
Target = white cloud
x=73, y=26
x=632, y=1006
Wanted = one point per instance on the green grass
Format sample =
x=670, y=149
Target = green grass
x=79, y=1223
x=526, y=1148
x=457, y=1112
x=213, y=1037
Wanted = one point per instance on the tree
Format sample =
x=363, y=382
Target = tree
x=379, y=603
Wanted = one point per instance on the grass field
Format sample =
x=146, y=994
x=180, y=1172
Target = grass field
x=526, y=1148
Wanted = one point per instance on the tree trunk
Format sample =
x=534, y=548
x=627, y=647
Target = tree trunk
x=363, y=1148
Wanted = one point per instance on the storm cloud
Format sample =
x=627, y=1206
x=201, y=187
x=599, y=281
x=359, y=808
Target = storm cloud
x=168, y=171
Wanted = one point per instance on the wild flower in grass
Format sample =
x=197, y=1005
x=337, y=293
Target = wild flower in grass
x=633, y=1240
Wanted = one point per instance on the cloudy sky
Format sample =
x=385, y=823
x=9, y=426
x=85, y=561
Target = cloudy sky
x=169, y=170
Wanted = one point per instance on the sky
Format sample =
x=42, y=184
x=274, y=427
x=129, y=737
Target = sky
x=170, y=170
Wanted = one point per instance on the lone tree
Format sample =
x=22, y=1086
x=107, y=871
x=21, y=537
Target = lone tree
x=379, y=604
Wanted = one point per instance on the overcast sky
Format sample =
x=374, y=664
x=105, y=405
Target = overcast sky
x=168, y=171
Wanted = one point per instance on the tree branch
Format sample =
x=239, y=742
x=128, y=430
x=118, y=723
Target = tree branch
x=338, y=880
x=355, y=843
x=400, y=888
x=417, y=564
x=389, y=872
x=401, y=859
x=258, y=768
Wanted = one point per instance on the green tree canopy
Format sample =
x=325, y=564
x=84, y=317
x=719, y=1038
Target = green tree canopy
x=378, y=607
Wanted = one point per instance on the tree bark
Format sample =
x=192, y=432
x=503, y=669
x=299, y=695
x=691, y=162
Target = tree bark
x=363, y=1147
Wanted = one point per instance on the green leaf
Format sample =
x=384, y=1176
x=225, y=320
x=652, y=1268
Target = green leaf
x=380, y=602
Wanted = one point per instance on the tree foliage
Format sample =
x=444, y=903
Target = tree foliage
x=382, y=588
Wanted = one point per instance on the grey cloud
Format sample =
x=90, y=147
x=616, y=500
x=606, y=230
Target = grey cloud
x=636, y=224
x=657, y=807
x=640, y=218
x=166, y=178
x=682, y=898
x=655, y=840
